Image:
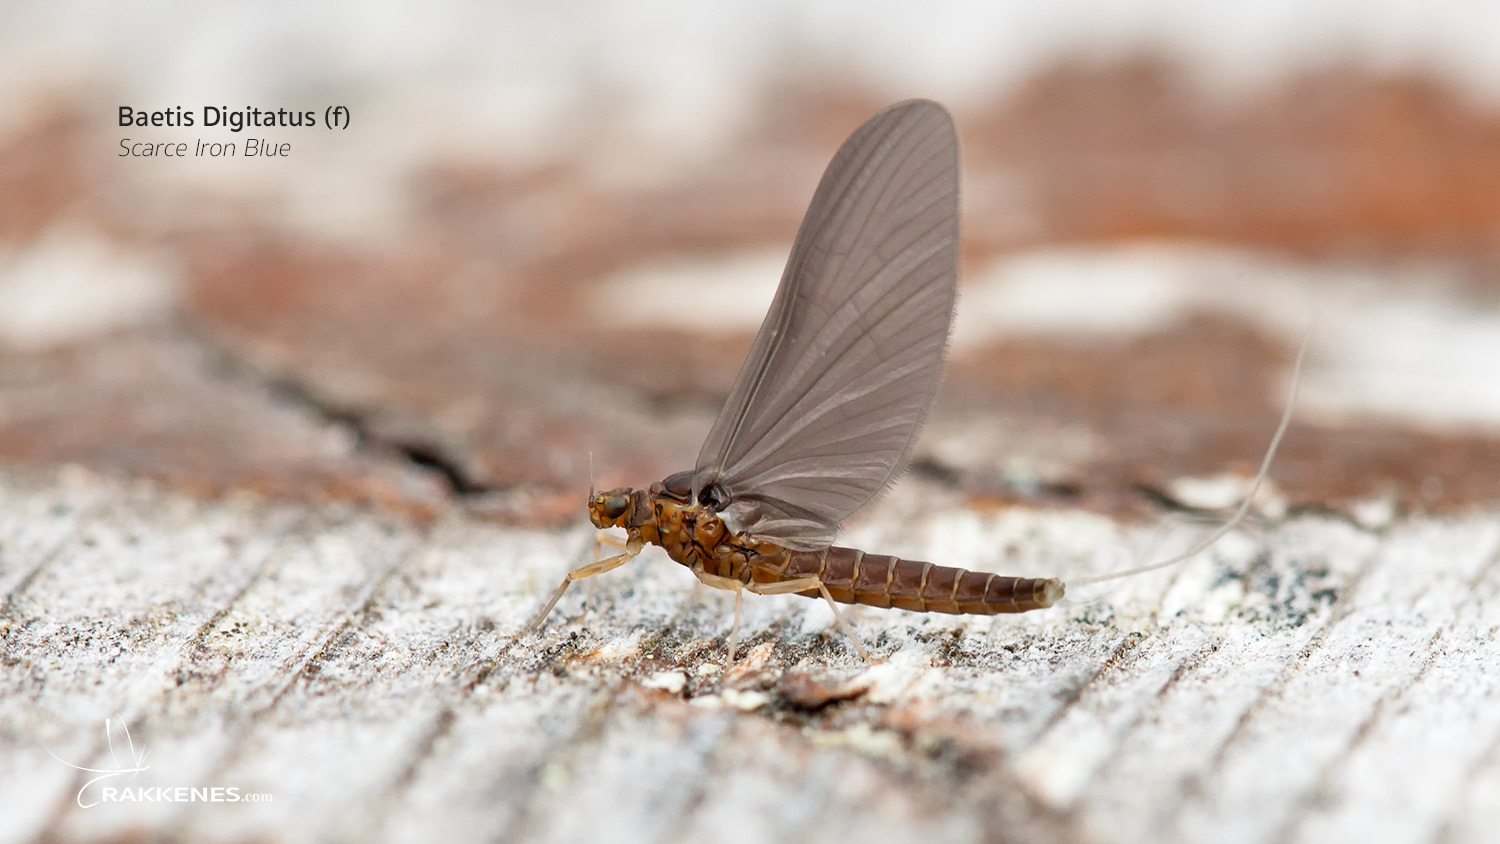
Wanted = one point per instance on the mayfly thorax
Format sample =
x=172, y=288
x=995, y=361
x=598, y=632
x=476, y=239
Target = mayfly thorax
x=824, y=411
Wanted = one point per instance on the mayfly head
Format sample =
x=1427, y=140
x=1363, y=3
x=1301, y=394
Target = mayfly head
x=608, y=509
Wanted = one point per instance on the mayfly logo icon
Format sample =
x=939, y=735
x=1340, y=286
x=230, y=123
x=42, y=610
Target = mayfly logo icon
x=135, y=763
x=109, y=790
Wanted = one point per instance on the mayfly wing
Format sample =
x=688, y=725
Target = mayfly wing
x=825, y=409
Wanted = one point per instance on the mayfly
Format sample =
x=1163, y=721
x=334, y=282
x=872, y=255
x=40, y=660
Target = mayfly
x=824, y=411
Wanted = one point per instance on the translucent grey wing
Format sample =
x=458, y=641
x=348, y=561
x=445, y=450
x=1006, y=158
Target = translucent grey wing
x=825, y=409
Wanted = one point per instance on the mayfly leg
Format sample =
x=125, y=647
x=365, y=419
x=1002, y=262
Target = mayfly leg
x=805, y=584
x=633, y=548
x=786, y=587
x=808, y=584
x=603, y=539
x=732, y=585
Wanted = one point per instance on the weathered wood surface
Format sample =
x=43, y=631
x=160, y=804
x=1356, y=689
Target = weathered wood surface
x=1309, y=680
x=289, y=448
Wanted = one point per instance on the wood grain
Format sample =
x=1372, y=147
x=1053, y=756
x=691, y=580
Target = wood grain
x=1307, y=680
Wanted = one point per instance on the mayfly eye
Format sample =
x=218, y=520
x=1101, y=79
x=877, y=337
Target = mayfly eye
x=614, y=506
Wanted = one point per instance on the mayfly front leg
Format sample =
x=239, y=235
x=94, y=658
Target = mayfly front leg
x=633, y=547
x=602, y=539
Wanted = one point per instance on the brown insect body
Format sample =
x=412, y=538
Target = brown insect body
x=825, y=410
x=693, y=534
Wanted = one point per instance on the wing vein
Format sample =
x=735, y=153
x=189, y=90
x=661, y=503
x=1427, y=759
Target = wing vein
x=824, y=412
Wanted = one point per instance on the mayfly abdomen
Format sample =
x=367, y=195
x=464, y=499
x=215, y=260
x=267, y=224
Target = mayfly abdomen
x=878, y=580
x=823, y=414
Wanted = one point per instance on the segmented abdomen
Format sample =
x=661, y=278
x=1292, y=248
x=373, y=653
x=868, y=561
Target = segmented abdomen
x=854, y=577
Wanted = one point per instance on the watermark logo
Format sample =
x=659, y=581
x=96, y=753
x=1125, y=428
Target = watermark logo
x=136, y=761
x=111, y=790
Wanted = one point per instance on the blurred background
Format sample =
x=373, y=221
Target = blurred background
x=551, y=231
